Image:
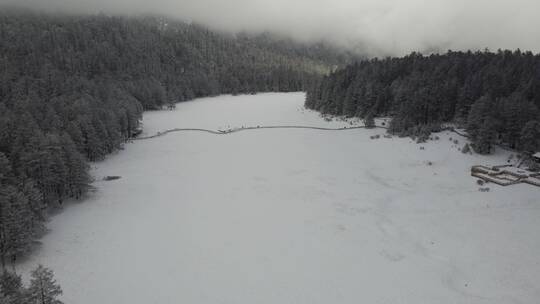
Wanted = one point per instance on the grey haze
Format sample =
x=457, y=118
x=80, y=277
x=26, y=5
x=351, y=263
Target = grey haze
x=377, y=27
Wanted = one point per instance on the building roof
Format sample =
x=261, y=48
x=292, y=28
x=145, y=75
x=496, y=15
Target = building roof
x=536, y=155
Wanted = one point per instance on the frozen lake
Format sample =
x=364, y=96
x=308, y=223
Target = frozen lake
x=292, y=216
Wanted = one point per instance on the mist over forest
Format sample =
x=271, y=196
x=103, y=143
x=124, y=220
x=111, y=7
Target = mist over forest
x=370, y=27
x=197, y=109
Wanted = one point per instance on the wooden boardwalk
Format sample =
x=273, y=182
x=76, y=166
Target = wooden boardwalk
x=500, y=176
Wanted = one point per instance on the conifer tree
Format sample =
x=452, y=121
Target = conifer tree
x=43, y=288
x=11, y=288
x=485, y=138
x=369, y=121
x=530, y=137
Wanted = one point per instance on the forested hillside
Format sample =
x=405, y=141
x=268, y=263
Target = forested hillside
x=495, y=96
x=73, y=89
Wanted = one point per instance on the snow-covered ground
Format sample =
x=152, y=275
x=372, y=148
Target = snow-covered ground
x=292, y=216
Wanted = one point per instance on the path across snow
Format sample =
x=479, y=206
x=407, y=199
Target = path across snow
x=230, y=131
x=292, y=216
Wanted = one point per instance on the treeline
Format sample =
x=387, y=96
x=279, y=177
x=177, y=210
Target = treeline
x=495, y=96
x=43, y=288
x=73, y=89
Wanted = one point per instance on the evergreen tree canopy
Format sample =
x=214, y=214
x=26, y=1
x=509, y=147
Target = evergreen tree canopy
x=496, y=96
x=43, y=288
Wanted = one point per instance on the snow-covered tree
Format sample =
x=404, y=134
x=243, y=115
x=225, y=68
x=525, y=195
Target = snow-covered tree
x=43, y=288
x=530, y=136
x=369, y=121
x=11, y=288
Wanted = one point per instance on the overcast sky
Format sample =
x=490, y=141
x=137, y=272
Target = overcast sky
x=381, y=27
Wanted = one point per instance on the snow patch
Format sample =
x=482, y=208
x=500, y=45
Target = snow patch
x=292, y=216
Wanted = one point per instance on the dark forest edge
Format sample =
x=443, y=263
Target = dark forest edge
x=73, y=89
x=494, y=96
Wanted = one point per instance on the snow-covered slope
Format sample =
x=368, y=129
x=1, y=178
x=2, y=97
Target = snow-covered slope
x=292, y=216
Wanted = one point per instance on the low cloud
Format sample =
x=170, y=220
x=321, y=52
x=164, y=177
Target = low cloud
x=376, y=27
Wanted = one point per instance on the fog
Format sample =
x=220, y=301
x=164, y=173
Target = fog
x=375, y=27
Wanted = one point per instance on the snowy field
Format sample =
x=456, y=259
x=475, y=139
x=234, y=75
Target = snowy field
x=292, y=216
